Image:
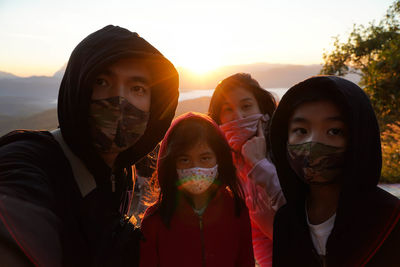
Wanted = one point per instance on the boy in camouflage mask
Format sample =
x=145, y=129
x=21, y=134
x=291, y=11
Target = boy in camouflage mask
x=325, y=143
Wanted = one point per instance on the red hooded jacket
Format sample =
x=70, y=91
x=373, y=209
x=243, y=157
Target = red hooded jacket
x=217, y=238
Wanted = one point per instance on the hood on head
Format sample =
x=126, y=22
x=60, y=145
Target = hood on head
x=178, y=120
x=363, y=154
x=91, y=55
x=184, y=133
x=175, y=123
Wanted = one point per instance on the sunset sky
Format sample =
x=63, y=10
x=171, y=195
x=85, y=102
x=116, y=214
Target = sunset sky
x=37, y=36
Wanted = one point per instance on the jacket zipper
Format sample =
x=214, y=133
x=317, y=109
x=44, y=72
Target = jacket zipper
x=321, y=259
x=112, y=178
x=203, y=256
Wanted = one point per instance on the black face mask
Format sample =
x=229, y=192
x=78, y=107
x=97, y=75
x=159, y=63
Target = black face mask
x=316, y=163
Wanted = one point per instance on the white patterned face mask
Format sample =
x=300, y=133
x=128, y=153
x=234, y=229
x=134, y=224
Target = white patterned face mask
x=196, y=180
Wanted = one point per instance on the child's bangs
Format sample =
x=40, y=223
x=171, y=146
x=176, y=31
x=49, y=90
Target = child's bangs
x=189, y=133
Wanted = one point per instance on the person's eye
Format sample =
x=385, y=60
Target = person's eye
x=336, y=131
x=139, y=90
x=299, y=131
x=247, y=106
x=183, y=160
x=206, y=158
x=226, y=109
x=101, y=82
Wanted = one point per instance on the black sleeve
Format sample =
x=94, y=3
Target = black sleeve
x=279, y=238
x=388, y=254
x=29, y=227
x=10, y=253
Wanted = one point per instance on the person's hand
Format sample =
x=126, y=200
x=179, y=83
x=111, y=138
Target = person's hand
x=254, y=149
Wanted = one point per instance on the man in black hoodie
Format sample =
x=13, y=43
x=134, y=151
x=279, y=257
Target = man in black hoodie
x=326, y=147
x=65, y=194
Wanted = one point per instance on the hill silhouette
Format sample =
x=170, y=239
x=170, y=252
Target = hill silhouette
x=7, y=75
x=47, y=120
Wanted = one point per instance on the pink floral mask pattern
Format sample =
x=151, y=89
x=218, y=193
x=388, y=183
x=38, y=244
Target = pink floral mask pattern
x=237, y=132
x=196, y=180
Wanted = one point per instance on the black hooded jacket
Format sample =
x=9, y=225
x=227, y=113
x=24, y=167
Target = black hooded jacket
x=366, y=229
x=46, y=219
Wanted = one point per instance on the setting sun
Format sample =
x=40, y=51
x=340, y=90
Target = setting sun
x=205, y=60
x=201, y=66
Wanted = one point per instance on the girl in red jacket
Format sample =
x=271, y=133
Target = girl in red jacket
x=200, y=218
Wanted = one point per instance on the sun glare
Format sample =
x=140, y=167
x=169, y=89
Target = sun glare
x=200, y=63
x=200, y=69
x=200, y=66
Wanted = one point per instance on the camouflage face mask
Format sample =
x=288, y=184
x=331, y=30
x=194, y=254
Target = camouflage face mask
x=116, y=124
x=316, y=163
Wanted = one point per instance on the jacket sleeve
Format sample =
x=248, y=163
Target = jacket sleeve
x=29, y=230
x=148, y=246
x=262, y=218
x=261, y=214
x=262, y=246
x=264, y=174
x=246, y=255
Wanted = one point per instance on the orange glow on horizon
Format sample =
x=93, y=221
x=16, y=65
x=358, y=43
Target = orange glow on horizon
x=200, y=66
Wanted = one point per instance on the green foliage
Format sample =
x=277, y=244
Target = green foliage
x=373, y=52
x=391, y=153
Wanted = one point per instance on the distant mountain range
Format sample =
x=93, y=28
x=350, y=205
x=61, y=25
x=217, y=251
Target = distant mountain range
x=6, y=75
x=22, y=98
x=268, y=75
